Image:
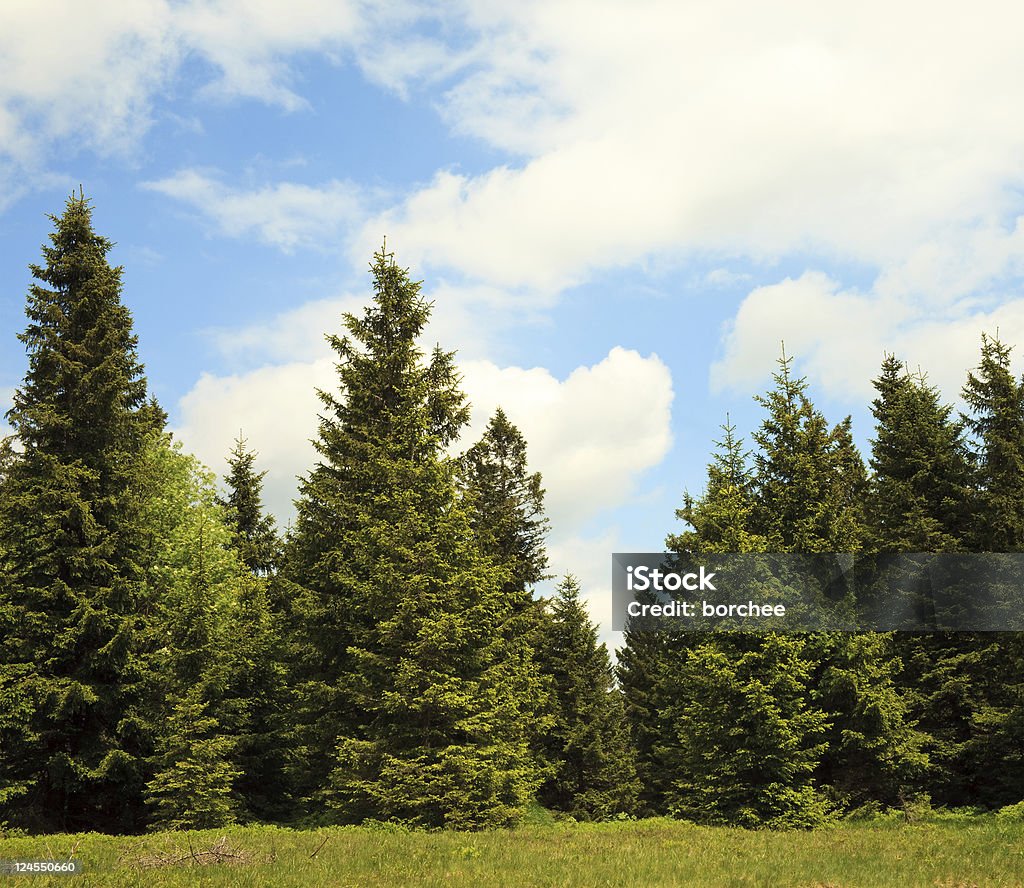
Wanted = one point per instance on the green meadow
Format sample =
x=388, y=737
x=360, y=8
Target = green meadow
x=952, y=852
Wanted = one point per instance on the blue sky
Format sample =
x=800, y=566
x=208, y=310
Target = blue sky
x=620, y=210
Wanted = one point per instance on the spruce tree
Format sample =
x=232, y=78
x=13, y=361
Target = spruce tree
x=982, y=670
x=747, y=734
x=741, y=736
x=919, y=488
x=193, y=787
x=255, y=694
x=254, y=534
x=918, y=501
x=721, y=519
x=506, y=504
x=995, y=401
x=69, y=539
x=188, y=709
x=719, y=522
x=809, y=478
x=810, y=482
x=254, y=710
x=588, y=744
x=413, y=694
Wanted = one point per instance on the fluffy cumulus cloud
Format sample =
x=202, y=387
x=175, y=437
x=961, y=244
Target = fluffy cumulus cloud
x=675, y=127
x=929, y=310
x=592, y=434
x=629, y=129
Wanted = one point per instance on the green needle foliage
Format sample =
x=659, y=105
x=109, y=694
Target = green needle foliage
x=808, y=477
x=748, y=736
x=919, y=493
x=983, y=671
x=588, y=745
x=722, y=517
x=254, y=535
x=740, y=736
x=68, y=533
x=507, y=505
x=193, y=580
x=995, y=400
x=193, y=785
x=811, y=483
x=414, y=692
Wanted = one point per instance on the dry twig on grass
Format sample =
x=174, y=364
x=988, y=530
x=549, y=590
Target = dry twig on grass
x=218, y=852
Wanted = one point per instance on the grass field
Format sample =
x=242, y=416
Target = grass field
x=940, y=853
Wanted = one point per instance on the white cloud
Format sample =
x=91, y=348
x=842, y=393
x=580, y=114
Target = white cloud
x=840, y=336
x=592, y=434
x=249, y=41
x=285, y=215
x=642, y=128
x=664, y=127
x=89, y=76
x=477, y=316
x=274, y=407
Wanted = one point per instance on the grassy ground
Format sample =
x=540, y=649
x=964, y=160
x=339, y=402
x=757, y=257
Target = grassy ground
x=941, y=853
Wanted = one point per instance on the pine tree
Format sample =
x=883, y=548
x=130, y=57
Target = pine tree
x=810, y=483
x=507, y=505
x=809, y=479
x=979, y=673
x=719, y=522
x=255, y=702
x=594, y=772
x=995, y=400
x=918, y=490
x=413, y=695
x=68, y=533
x=193, y=784
x=918, y=499
x=254, y=534
x=748, y=736
x=187, y=709
x=738, y=736
x=722, y=517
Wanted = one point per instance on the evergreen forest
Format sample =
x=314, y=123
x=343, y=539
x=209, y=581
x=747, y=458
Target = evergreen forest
x=169, y=659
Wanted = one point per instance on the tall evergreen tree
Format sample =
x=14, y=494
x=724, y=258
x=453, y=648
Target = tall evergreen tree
x=981, y=671
x=741, y=736
x=253, y=530
x=721, y=519
x=919, y=487
x=719, y=522
x=413, y=691
x=187, y=709
x=594, y=771
x=507, y=504
x=809, y=478
x=995, y=401
x=193, y=787
x=747, y=734
x=918, y=501
x=67, y=528
x=810, y=483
